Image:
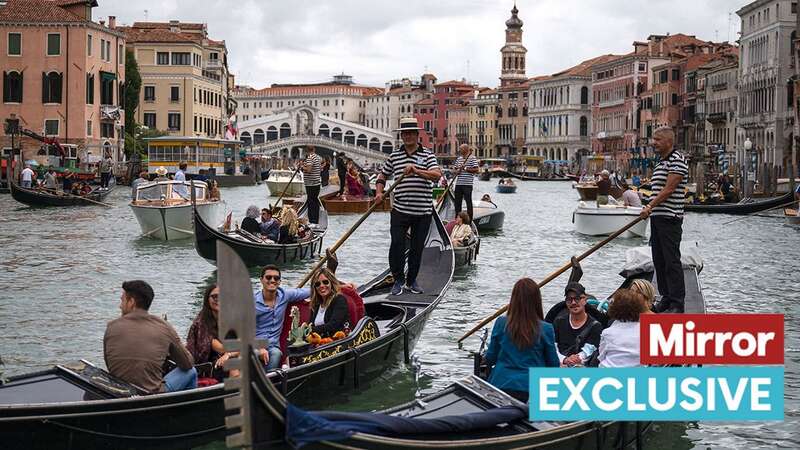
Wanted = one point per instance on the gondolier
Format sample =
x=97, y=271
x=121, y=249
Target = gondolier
x=666, y=224
x=412, y=203
x=468, y=164
x=312, y=166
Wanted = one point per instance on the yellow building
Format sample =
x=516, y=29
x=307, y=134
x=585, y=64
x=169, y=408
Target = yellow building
x=185, y=79
x=483, y=123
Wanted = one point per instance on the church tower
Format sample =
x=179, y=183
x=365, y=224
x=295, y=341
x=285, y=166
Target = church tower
x=513, y=53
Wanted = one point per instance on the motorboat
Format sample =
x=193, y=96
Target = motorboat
x=488, y=216
x=792, y=216
x=164, y=209
x=604, y=220
x=279, y=179
x=506, y=186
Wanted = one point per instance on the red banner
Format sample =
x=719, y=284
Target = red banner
x=711, y=339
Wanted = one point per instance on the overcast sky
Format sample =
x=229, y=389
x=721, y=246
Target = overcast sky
x=300, y=41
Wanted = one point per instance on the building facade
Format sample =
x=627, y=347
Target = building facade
x=185, y=78
x=766, y=110
x=445, y=97
x=483, y=123
x=560, y=114
x=339, y=98
x=384, y=110
x=62, y=76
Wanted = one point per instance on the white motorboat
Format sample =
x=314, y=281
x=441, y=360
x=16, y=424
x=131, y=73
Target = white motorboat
x=278, y=180
x=606, y=219
x=164, y=209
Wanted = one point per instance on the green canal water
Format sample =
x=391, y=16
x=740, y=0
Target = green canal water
x=61, y=271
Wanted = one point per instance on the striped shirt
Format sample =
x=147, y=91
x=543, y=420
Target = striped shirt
x=414, y=195
x=672, y=206
x=466, y=178
x=313, y=177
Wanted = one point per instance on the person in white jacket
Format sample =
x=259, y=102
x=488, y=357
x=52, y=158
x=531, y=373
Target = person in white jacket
x=462, y=231
x=619, y=343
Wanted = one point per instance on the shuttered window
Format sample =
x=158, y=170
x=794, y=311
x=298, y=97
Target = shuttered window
x=12, y=87
x=51, y=87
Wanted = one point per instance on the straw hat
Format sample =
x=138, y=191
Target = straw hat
x=409, y=124
x=161, y=171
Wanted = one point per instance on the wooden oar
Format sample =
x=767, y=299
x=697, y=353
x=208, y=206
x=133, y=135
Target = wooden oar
x=759, y=212
x=349, y=232
x=555, y=275
x=280, y=197
x=453, y=181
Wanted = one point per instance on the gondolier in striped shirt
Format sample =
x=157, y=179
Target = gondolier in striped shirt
x=468, y=164
x=412, y=203
x=666, y=220
x=312, y=166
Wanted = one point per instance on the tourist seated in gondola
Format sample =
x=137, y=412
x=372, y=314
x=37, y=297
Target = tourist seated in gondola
x=461, y=232
x=136, y=345
x=203, y=340
x=269, y=226
x=726, y=189
x=646, y=289
x=271, y=302
x=488, y=199
x=355, y=187
x=619, y=343
x=521, y=339
x=629, y=196
x=250, y=222
x=50, y=182
x=576, y=329
x=77, y=188
x=329, y=311
x=304, y=231
x=289, y=227
x=213, y=190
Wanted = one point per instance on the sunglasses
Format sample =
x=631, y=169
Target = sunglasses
x=272, y=277
x=570, y=299
x=322, y=283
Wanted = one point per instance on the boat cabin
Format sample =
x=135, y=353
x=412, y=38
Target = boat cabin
x=170, y=192
x=217, y=155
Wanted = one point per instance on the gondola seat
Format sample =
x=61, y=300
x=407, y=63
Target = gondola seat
x=355, y=304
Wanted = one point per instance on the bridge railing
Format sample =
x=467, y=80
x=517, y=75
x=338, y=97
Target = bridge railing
x=270, y=148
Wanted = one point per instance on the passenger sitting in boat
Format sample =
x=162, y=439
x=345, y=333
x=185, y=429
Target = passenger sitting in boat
x=271, y=302
x=303, y=229
x=461, y=233
x=50, y=180
x=629, y=196
x=603, y=188
x=488, y=199
x=289, y=227
x=136, y=345
x=249, y=223
x=645, y=288
x=67, y=180
x=354, y=186
x=269, y=226
x=329, y=310
x=619, y=343
x=85, y=189
x=77, y=188
x=203, y=339
x=213, y=190
x=521, y=339
x=576, y=329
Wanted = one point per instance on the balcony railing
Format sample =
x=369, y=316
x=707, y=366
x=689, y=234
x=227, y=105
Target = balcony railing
x=607, y=103
x=212, y=64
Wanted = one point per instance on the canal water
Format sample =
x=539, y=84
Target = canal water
x=61, y=271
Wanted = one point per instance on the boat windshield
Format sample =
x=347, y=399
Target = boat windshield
x=152, y=192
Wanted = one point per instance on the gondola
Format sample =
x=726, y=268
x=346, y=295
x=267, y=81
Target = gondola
x=465, y=255
x=524, y=177
x=253, y=251
x=741, y=208
x=469, y=414
x=42, y=198
x=81, y=406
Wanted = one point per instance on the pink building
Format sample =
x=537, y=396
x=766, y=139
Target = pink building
x=62, y=76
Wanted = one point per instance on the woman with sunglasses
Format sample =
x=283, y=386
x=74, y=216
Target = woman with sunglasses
x=329, y=310
x=203, y=340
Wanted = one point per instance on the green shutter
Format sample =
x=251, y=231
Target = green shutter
x=14, y=44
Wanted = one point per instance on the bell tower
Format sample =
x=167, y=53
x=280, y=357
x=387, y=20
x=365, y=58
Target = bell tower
x=513, y=52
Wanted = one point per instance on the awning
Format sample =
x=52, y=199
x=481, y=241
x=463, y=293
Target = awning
x=107, y=76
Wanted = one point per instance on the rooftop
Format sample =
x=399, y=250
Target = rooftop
x=38, y=11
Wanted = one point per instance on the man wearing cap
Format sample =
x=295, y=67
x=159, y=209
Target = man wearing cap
x=576, y=329
x=412, y=203
x=603, y=188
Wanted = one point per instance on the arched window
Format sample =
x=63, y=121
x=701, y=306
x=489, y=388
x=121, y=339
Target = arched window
x=272, y=133
x=584, y=95
x=258, y=136
x=361, y=141
x=324, y=130
x=247, y=139
x=286, y=130
x=51, y=87
x=12, y=87
x=375, y=144
x=350, y=137
x=584, y=125
x=387, y=147
x=336, y=133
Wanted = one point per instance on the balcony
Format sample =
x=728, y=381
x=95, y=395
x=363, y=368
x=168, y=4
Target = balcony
x=717, y=117
x=212, y=64
x=609, y=103
x=719, y=86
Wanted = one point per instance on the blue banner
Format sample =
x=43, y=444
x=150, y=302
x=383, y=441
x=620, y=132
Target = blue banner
x=732, y=393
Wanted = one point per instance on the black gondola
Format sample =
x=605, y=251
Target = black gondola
x=742, y=208
x=82, y=407
x=41, y=197
x=251, y=249
x=471, y=414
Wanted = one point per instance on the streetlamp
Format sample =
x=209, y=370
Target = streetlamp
x=749, y=175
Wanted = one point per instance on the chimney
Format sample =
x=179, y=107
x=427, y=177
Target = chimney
x=102, y=23
x=112, y=22
x=174, y=26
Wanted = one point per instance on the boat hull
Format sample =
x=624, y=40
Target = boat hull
x=742, y=208
x=342, y=206
x=171, y=223
x=488, y=219
x=605, y=221
x=792, y=216
x=35, y=198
